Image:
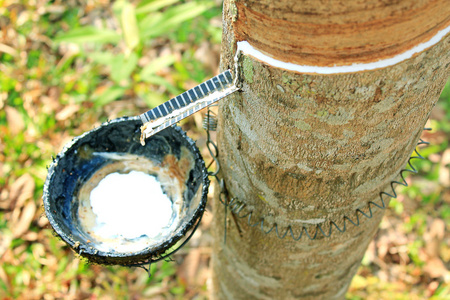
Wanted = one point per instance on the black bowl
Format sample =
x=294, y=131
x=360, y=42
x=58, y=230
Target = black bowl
x=78, y=163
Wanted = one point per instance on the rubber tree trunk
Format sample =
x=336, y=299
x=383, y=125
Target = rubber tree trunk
x=303, y=150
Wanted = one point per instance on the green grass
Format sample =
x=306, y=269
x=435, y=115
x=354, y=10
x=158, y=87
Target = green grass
x=67, y=56
x=70, y=67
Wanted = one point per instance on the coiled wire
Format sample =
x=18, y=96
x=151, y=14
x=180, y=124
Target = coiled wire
x=238, y=207
x=210, y=124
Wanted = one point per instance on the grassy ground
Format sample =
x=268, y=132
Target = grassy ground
x=54, y=86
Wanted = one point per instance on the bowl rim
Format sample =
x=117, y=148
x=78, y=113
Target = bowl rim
x=142, y=256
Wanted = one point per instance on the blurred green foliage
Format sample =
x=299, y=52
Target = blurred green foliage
x=64, y=64
x=139, y=26
x=66, y=67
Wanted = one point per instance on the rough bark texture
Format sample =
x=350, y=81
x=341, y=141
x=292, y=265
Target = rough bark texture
x=303, y=150
x=328, y=33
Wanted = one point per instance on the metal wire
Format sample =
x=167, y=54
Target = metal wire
x=238, y=207
x=210, y=124
x=210, y=121
x=166, y=255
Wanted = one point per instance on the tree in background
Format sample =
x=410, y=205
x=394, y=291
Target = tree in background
x=303, y=150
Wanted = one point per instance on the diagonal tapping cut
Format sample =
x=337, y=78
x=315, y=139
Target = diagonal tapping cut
x=240, y=210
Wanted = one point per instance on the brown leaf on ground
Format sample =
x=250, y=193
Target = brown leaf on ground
x=3, y=275
x=444, y=170
x=435, y=268
x=51, y=101
x=25, y=219
x=42, y=221
x=446, y=157
x=30, y=236
x=5, y=241
x=31, y=98
x=4, y=198
x=434, y=138
x=21, y=190
x=446, y=196
x=433, y=237
x=7, y=49
x=204, y=272
x=67, y=112
x=444, y=251
x=14, y=119
x=3, y=98
x=188, y=269
x=434, y=157
x=432, y=287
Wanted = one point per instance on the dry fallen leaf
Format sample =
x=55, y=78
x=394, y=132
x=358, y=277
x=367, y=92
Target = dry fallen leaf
x=432, y=287
x=3, y=97
x=30, y=236
x=67, y=112
x=444, y=170
x=188, y=269
x=433, y=237
x=446, y=157
x=24, y=222
x=444, y=251
x=5, y=241
x=4, y=199
x=21, y=190
x=51, y=101
x=3, y=275
x=14, y=119
x=31, y=97
x=383, y=247
x=435, y=268
x=42, y=221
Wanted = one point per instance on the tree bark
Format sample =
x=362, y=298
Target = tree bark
x=302, y=150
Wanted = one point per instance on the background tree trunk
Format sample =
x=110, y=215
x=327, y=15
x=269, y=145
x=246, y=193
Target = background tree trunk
x=304, y=149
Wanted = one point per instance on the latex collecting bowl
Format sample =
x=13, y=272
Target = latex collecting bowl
x=169, y=158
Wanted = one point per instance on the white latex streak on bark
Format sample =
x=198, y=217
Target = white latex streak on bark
x=248, y=49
